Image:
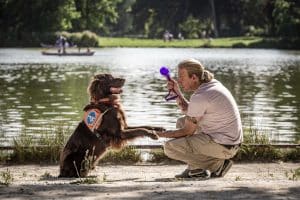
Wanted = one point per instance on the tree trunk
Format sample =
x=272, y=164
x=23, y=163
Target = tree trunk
x=213, y=11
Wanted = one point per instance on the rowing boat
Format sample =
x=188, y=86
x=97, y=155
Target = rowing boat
x=88, y=53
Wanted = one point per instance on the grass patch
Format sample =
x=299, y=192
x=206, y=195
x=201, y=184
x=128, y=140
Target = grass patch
x=293, y=175
x=248, y=152
x=230, y=42
x=47, y=147
x=127, y=155
x=187, y=43
x=158, y=156
x=6, y=178
x=44, y=149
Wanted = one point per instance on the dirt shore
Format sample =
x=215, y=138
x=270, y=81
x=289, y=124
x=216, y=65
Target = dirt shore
x=144, y=181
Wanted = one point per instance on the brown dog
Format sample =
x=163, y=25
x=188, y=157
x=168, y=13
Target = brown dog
x=103, y=125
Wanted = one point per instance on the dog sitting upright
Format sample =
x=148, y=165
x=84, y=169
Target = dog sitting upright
x=103, y=125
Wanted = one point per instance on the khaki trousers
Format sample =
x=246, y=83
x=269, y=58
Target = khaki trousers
x=198, y=151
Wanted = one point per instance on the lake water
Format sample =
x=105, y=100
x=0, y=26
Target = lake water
x=39, y=91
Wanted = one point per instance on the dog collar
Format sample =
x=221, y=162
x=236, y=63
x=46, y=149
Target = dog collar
x=107, y=101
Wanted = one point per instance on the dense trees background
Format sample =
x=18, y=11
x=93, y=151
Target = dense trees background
x=28, y=19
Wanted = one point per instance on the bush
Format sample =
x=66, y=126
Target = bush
x=89, y=39
x=34, y=39
x=254, y=31
x=81, y=39
x=193, y=28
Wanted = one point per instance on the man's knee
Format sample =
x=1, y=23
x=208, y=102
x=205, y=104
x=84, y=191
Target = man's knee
x=168, y=147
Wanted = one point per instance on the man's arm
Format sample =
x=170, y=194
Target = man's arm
x=182, y=103
x=190, y=126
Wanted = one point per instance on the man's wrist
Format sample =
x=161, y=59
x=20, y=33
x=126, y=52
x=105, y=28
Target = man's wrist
x=163, y=134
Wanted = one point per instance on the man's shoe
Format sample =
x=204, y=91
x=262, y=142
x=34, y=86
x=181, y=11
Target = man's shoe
x=199, y=173
x=184, y=174
x=195, y=173
x=223, y=170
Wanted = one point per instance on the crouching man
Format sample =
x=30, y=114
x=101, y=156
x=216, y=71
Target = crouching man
x=211, y=133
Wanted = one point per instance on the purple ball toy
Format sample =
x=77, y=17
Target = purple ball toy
x=172, y=94
x=165, y=72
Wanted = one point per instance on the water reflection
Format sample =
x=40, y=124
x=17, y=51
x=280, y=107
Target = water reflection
x=37, y=91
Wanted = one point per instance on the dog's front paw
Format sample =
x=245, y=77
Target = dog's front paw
x=159, y=129
x=153, y=135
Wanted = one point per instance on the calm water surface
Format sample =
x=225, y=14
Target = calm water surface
x=39, y=92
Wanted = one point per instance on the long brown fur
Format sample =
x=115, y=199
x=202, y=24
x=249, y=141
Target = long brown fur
x=84, y=148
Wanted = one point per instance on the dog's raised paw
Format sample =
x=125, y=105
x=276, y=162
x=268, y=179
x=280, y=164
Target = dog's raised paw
x=153, y=136
x=159, y=129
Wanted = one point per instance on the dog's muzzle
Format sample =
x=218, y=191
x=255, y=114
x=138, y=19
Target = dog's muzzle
x=115, y=90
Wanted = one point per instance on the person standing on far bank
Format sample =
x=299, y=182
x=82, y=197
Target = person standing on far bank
x=210, y=133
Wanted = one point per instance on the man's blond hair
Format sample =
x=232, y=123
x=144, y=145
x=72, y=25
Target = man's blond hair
x=193, y=66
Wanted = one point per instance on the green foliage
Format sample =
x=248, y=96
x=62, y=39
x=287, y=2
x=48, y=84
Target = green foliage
x=187, y=43
x=256, y=136
x=95, y=15
x=46, y=176
x=286, y=18
x=126, y=155
x=293, y=175
x=81, y=39
x=258, y=153
x=292, y=155
x=149, y=22
x=194, y=28
x=27, y=23
x=6, y=178
x=254, y=31
x=158, y=156
x=45, y=148
x=89, y=39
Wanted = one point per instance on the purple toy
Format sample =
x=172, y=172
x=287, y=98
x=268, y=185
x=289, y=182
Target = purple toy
x=172, y=94
x=165, y=72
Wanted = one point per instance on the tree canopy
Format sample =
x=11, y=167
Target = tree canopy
x=22, y=19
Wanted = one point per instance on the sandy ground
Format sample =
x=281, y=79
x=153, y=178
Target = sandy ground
x=243, y=181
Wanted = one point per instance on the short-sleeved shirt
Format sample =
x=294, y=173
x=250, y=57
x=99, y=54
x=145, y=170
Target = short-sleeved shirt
x=218, y=114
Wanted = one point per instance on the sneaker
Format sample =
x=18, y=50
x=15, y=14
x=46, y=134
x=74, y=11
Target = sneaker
x=224, y=169
x=199, y=173
x=184, y=174
x=196, y=173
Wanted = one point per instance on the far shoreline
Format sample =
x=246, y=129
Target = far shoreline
x=250, y=42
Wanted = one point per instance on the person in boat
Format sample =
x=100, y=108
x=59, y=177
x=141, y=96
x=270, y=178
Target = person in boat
x=210, y=133
x=62, y=43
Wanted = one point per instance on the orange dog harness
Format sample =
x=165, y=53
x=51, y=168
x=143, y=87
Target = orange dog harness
x=93, y=118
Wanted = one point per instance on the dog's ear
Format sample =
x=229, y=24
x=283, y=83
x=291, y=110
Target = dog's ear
x=99, y=87
x=104, y=77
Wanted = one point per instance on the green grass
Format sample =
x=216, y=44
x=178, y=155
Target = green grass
x=127, y=155
x=187, y=43
x=231, y=42
x=293, y=175
x=6, y=178
x=46, y=149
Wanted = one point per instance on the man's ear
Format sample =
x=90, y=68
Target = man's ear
x=194, y=77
